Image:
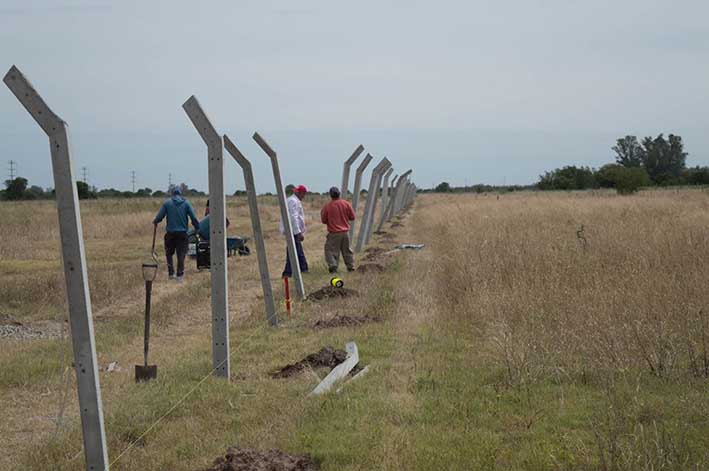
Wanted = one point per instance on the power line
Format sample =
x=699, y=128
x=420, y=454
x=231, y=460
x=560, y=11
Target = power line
x=13, y=168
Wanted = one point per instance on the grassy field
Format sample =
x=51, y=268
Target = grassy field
x=534, y=331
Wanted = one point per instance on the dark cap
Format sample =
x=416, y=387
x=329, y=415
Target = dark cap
x=334, y=192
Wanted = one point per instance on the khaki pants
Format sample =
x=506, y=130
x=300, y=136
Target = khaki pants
x=336, y=243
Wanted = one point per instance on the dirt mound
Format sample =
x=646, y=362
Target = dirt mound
x=326, y=357
x=370, y=268
x=397, y=224
x=384, y=235
x=331, y=292
x=345, y=321
x=246, y=459
x=373, y=253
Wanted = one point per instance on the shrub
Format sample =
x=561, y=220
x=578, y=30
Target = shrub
x=629, y=180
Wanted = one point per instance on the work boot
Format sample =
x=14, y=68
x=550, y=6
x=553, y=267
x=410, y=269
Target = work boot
x=351, y=269
x=332, y=269
x=180, y=278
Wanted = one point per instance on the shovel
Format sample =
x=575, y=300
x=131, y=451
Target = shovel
x=147, y=372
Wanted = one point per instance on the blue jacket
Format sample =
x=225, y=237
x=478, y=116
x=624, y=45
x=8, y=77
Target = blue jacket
x=178, y=210
x=204, y=227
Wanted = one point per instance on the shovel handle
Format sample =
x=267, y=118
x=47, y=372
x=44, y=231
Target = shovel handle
x=146, y=338
x=152, y=249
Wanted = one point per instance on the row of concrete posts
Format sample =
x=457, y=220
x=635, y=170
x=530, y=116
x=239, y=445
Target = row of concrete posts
x=395, y=198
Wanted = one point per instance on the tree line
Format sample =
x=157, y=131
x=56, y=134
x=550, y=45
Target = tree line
x=19, y=189
x=655, y=161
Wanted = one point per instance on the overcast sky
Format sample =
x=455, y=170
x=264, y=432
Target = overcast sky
x=460, y=91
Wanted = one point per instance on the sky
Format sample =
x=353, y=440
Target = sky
x=494, y=91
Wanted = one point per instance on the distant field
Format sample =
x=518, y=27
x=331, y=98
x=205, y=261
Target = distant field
x=534, y=331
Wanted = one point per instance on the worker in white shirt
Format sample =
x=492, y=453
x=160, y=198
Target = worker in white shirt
x=297, y=221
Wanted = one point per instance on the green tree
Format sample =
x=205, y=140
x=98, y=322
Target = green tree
x=606, y=176
x=629, y=180
x=443, y=187
x=628, y=152
x=696, y=176
x=568, y=178
x=84, y=191
x=664, y=159
x=15, y=189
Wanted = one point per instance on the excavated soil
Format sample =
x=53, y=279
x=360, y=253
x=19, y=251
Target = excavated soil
x=331, y=292
x=373, y=253
x=384, y=235
x=345, y=321
x=397, y=224
x=326, y=357
x=247, y=459
x=370, y=268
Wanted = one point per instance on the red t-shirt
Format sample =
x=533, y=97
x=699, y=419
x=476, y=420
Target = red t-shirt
x=337, y=214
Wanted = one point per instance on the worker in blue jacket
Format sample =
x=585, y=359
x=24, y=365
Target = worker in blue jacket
x=179, y=212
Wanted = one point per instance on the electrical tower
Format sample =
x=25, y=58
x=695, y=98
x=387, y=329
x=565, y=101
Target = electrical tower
x=132, y=179
x=85, y=174
x=13, y=169
x=169, y=181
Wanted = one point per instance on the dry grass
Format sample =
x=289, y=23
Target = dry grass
x=508, y=343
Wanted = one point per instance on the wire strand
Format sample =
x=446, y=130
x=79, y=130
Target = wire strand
x=182, y=399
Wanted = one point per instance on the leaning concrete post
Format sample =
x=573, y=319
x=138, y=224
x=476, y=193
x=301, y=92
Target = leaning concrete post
x=377, y=221
x=404, y=198
x=402, y=193
x=390, y=205
x=407, y=195
x=217, y=236
x=256, y=226
x=355, y=193
x=346, y=170
x=288, y=229
x=373, y=185
x=398, y=194
x=74, y=259
x=369, y=220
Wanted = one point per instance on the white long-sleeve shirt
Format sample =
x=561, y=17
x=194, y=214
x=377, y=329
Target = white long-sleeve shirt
x=296, y=214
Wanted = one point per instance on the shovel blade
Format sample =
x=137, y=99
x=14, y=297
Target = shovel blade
x=145, y=372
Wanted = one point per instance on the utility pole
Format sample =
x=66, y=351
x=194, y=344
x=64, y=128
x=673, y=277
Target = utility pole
x=13, y=167
x=132, y=179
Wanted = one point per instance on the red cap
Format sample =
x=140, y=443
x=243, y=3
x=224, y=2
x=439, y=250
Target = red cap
x=300, y=189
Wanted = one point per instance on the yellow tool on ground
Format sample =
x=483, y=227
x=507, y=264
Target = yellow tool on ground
x=337, y=282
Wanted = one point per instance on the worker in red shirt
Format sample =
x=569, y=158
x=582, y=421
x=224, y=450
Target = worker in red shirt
x=337, y=214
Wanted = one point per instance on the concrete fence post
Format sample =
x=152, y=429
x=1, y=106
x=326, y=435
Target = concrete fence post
x=74, y=260
x=376, y=227
x=346, y=170
x=288, y=229
x=399, y=193
x=217, y=236
x=387, y=211
x=373, y=182
x=374, y=197
x=355, y=193
x=256, y=226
